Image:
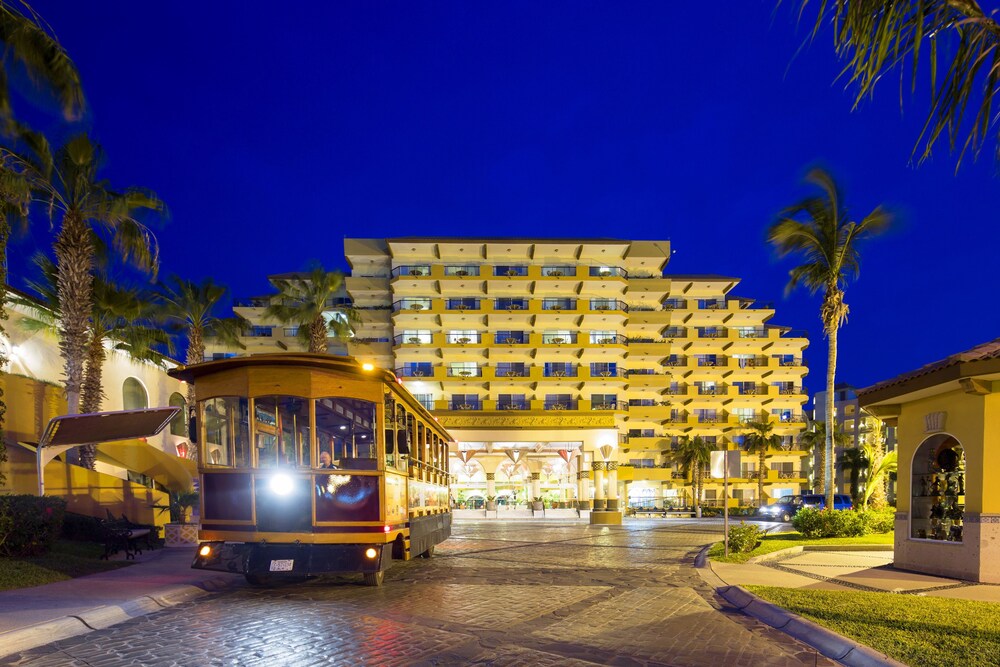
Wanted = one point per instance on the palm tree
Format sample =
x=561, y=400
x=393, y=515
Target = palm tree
x=759, y=440
x=951, y=36
x=818, y=229
x=121, y=321
x=693, y=454
x=855, y=460
x=28, y=47
x=304, y=300
x=68, y=184
x=814, y=439
x=881, y=464
x=188, y=306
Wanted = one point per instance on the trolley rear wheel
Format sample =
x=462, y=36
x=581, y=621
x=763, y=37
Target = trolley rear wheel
x=429, y=553
x=374, y=578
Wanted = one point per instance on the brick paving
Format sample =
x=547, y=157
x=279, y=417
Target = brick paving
x=525, y=593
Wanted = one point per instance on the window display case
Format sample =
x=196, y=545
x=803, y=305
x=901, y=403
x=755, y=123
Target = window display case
x=937, y=510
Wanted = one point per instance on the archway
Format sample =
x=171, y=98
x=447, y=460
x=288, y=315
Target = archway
x=937, y=510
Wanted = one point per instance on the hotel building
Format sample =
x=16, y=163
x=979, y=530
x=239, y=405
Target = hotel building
x=572, y=369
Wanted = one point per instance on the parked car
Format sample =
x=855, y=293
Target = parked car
x=841, y=501
x=782, y=509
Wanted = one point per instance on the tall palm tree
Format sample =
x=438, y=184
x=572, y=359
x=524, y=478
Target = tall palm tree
x=760, y=440
x=188, y=306
x=814, y=440
x=693, y=454
x=819, y=230
x=954, y=37
x=305, y=300
x=881, y=463
x=28, y=47
x=121, y=320
x=68, y=184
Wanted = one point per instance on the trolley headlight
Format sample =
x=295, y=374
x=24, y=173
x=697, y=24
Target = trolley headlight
x=205, y=551
x=371, y=553
x=281, y=485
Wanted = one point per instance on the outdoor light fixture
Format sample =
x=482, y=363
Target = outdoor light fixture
x=371, y=553
x=367, y=366
x=205, y=550
x=281, y=485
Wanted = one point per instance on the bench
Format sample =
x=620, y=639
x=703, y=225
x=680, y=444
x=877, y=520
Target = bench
x=124, y=535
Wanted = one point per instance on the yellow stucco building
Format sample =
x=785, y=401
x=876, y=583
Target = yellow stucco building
x=947, y=416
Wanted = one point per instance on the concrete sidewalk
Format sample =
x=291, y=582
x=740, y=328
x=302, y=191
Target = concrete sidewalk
x=31, y=617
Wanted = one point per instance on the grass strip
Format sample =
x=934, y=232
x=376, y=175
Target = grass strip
x=772, y=543
x=66, y=560
x=921, y=631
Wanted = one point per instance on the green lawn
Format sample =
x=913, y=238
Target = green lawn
x=921, y=631
x=66, y=561
x=772, y=543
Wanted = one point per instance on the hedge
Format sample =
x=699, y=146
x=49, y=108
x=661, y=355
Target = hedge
x=29, y=525
x=812, y=522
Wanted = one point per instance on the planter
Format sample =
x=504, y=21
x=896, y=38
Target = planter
x=416, y=306
x=537, y=506
x=180, y=534
x=491, y=506
x=461, y=273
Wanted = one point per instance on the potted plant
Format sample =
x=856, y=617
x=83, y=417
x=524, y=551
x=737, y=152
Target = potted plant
x=181, y=532
x=555, y=273
x=416, y=272
x=557, y=341
x=461, y=272
x=605, y=273
x=537, y=505
x=413, y=340
x=416, y=306
x=491, y=503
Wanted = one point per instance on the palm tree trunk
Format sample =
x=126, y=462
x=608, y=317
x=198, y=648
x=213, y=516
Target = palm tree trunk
x=4, y=235
x=696, y=489
x=317, y=335
x=92, y=392
x=760, y=476
x=195, y=355
x=831, y=372
x=820, y=469
x=74, y=254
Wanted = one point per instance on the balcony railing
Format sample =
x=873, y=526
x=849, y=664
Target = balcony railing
x=608, y=304
x=674, y=304
x=414, y=372
x=510, y=304
x=512, y=338
x=794, y=333
x=512, y=372
x=793, y=417
x=466, y=405
x=712, y=333
x=674, y=332
x=711, y=419
x=712, y=304
x=679, y=418
x=415, y=271
x=604, y=339
x=752, y=362
x=558, y=304
x=679, y=390
x=789, y=474
x=608, y=272
x=260, y=332
x=642, y=371
x=465, y=372
x=560, y=405
x=379, y=307
x=256, y=302
x=789, y=362
x=608, y=372
x=752, y=389
x=561, y=373
x=412, y=339
x=462, y=271
x=559, y=271
x=465, y=338
x=604, y=406
x=462, y=304
x=558, y=339
x=411, y=304
x=717, y=390
x=676, y=363
x=521, y=404
x=510, y=271
x=708, y=361
x=789, y=391
x=748, y=332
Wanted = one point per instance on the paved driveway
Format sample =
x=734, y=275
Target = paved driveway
x=516, y=593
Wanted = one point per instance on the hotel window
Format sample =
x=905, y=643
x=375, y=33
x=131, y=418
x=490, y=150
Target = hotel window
x=707, y=416
x=465, y=402
x=783, y=414
x=510, y=337
x=426, y=400
x=603, y=401
x=462, y=270
x=745, y=415
x=260, y=332
x=558, y=337
x=418, y=369
x=558, y=401
x=464, y=369
x=511, y=369
x=417, y=336
x=603, y=369
x=512, y=402
x=559, y=369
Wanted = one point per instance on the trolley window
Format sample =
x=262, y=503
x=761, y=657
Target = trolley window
x=227, y=432
x=282, y=431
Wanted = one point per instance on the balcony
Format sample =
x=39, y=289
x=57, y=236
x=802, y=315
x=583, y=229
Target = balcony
x=747, y=332
x=558, y=304
x=608, y=373
x=255, y=302
x=510, y=271
x=561, y=373
x=510, y=304
x=463, y=304
x=608, y=304
x=559, y=271
x=604, y=406
x=674, y=304
x=607, y=272
x=502, y=372
x=467, y=405
x=462, y=271
x=717, y=390
x=711, y=418
x=464, y=339
x=416, y=339
x=520, y=404
x=559, y=339
x=787, y=474
x=414, y=305
x=465, y=372
x=789, y=391
x=414, y=372
x=753, y=362
x=712, y=333
x=674, y=332
x=414, y=271
x=604, y=339
x=560, y=405
x=752, y=389
x=511, y=338
x=675, y=363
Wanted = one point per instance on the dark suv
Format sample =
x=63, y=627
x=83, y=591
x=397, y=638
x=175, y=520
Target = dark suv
x=782, y=509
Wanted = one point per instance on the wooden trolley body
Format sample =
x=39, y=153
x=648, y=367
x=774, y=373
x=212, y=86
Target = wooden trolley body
x=268, y=508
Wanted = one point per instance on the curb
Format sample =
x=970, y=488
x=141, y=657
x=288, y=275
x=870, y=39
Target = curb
x=791, y=551
x=99, y=618
x=829, y=643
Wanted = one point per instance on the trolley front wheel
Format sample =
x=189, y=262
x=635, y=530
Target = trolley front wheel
x=260, y=580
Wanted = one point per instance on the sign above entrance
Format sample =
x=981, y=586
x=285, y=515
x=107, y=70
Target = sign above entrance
x=720, y=460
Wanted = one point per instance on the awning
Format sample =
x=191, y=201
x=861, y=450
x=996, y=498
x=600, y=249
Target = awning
x=174, y=473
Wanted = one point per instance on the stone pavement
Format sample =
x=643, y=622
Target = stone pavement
x=525, y=593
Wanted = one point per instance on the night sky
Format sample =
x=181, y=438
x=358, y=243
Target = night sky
x=274, y=131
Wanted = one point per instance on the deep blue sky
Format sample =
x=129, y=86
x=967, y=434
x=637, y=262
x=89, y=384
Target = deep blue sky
x=274, y=131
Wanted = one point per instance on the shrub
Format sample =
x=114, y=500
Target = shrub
x=878, y=521
x=744, y=538
x=81, y=528
x=29, y=525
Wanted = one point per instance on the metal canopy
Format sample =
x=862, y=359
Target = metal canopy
x=69, y=431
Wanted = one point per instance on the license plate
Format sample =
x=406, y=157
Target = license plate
x=282, y=565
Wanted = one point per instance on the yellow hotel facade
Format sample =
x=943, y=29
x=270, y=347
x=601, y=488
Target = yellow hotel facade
x=569, y=370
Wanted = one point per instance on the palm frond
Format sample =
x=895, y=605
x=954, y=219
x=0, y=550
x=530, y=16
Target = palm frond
x=878, y=37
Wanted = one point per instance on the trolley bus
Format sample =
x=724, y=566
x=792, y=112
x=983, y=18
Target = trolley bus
x=267, y=425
